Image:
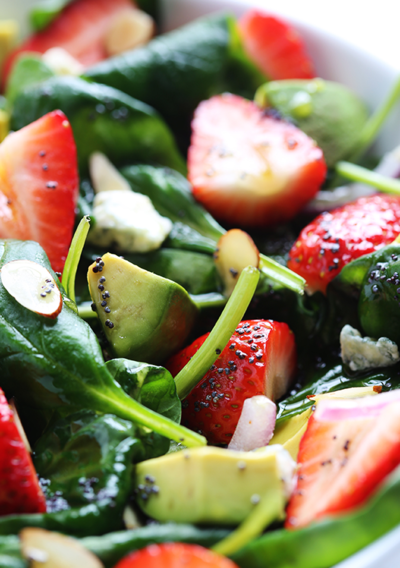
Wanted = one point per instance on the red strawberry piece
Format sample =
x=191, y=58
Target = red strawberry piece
x=275, y=46
x=175, y=555
x=348, y=449
x=79, y=29
x=260, y=358
x=20, y=491
x=336, y=238
x=249, y=168
x=39, y=185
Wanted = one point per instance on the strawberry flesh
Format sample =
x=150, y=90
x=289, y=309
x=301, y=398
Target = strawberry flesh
x=248, y=167
x=260, y=359
x=175, y=555
x=275, y=46
x=334, y=239
x=342, y=461
x=39, y=185
x=20, y=491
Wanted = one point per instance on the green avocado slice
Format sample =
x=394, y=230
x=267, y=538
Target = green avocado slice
x=145, y=317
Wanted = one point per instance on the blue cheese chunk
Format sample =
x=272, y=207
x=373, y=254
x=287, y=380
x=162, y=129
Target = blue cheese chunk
x=361, y=353
x=128, y=221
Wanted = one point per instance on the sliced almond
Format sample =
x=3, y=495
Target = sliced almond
x=130, y=518
x=104, y=175
x=127, y=30
x=19, y=426
x=32, y=286
x=45, y=549
x=235, y=251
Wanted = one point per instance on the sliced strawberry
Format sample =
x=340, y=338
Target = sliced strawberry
x=79, y=29
x=19, y=487
x=39, y=185
x=175, y=555
x=349, y=447
x=336, y=238
x=260, y=358
x=249, y=168
x=275, y=46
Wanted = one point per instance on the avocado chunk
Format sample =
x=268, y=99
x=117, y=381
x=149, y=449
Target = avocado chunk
x=212, y=485
x=328, y=112
x=145, y=317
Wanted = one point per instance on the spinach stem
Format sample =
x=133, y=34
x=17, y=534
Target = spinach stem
x=85, y=311
x=264, y=513
x=282, y=275
x=210, y=300
x=74, y=256
x=363, y=175
x=126, y=407
x=374, y=123
x=221, y=333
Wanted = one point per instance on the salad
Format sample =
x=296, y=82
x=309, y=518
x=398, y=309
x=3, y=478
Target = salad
x=199, y=297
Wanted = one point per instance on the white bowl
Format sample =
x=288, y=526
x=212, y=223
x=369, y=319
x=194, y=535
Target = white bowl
x=347, y=61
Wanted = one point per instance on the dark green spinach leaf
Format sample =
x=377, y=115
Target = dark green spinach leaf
x=84, y=462
x=170, y=192
x=176, y=71
x=103, y=119
x=50, y=363
x=194, y=271
x=153, y=387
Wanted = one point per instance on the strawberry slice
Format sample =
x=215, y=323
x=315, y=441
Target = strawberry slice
x=175, y=555
x=20, y=491
x=39, y=185
x=349, y=447
x=79, y=29
x=336, y=238
x=260, y=359
x=249, y=168
x=275, y=46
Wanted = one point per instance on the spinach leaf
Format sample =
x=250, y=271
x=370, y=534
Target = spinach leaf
x=336, y=378
x=27, y=70
x=59, y=363
x=103, y=119
x=327, y=542
x=112, y=547
x=84, y=463
x=153, y=387
x=170, y=193
x=176, y=71
x=10, y=553
x=43, y=13
x=194, y=271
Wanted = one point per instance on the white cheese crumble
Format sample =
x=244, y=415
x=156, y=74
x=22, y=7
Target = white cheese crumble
x=61, y=62
x=361, y=353
x=129, y=221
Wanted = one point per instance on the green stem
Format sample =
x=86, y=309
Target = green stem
x=210, y=300
x=268, y=510
x=221, y=333
x=282, y=275
x=85, y=311
x=74, y=256
x=363, y=175
x=126, y=407
x=373, y=125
